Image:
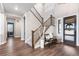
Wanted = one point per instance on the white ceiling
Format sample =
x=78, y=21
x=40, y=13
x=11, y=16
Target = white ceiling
x=22, y=7
x=0, y=9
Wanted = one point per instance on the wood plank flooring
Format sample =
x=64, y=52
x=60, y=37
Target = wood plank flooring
x=16, y=47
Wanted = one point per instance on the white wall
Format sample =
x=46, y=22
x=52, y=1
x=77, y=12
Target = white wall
x=22, y=29
x=63, y=10
x=48, y=10
x=40, y=7
x=59, y=36
x=17, y=28
x=3, y=28
x=3, y=25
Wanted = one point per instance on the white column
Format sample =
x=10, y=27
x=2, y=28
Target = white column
x=3, y=26
x=22, y=29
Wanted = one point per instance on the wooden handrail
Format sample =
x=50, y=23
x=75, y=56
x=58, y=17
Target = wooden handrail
x=46, y=20
x=49, y=24
x=51, y=20
x=32, y=39
x=35, y=16
x=38, y=12
x=38, y=16
x=39, y=38
x=37, y=28
x=38, y=33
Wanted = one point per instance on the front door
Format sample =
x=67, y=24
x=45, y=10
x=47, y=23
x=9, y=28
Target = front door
x=70, y=30
x=10, y=32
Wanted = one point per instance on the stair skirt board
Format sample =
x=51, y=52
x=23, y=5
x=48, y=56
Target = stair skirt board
x=37, y=45
x=40, y=44
x=29, y=42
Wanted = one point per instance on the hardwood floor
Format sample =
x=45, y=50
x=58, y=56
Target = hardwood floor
x=16, y=47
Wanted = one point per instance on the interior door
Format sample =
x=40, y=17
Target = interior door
x=70, y=30
x=10, y=30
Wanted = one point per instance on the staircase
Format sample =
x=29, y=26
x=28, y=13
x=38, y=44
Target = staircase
x=37, y=15
x=38, y=33
x=49, y=22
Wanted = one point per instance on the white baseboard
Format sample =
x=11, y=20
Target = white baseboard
x=17, y=36
x=77, y=44
x=22, y=39
x=37, y=46
x=3, y=42
x=62, y=41
x=27, y=42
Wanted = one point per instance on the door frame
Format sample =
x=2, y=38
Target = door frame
x=7, y=28
x=74, y=29
x=24, y=27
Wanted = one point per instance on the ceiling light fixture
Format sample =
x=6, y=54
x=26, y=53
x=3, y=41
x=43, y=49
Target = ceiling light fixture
x=16, y=8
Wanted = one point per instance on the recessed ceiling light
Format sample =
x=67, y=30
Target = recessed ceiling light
x=16, y=8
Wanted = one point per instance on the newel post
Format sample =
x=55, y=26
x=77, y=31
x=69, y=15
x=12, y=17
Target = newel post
x=42, y=22
x=32, y=39
x=51, y=19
